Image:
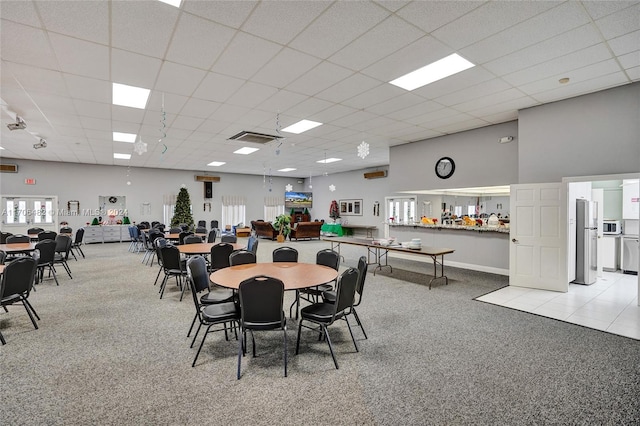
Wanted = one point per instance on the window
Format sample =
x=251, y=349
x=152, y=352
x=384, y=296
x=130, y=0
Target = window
x=233, y=210
x=23, y=211
x=273, y=207
x=401, y=210
x=168, y=207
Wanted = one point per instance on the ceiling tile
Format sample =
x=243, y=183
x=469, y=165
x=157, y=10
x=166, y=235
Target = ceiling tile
x=474, y=123
x=403, y=101
x=134, y=69
x=481, y=90
x=430, y=16
x=199, y=108
x=348, y=88
x=126, y=114
x=459, y=81
x=626, y=43
x=333, y=112
x=599, y=9
x=212, y=40
x=22, y=12
x=130, y=29
x=245, y=55
x=90, y=123
x=81, y=57
x=421, y=109
x=319, y=78
x=337, y=27
x=88, y=20
x=167, y=102
x=33, y=78
x=217, y=87
x=186, y=123
x=282, y=100
x=14, y=37
x=89, y=89
x=179, y=79
x=374, y=96
x=251, y=95
x=285, y=67
x=266, y=19
x=92, y=109
x=630, y=60
x=489, y=100
x=382, y=40
x=571, y=90
x=230, y=13
x=620, y=23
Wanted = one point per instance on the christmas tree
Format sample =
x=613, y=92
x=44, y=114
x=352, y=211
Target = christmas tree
x=182, y=212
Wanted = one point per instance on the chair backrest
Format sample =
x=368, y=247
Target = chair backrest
x=328, y=257
x=346, y=290
x=182, y=236
x=34, y=230
x=202, y=224
x=18, y=238
x=36, y=255
x=4, y=236
x=285, y=254
x=362, y=275
x=175, y=230
x=197, y=273
x=192, y=239
x=3, y=256
x=158, y=244
x=252, y=245
x=229, y=238
x=214, y=224
x=47, y=251
x=47, y=235
x=66, y=230
x=201, y=230
x=79, y=236
x=18, y=276
x=241, y=257
x=211, y=238
x=160, y=227
x=170, y=257
x=220, y=256
x=261, y=299
x=154, y=234
x=63, y=245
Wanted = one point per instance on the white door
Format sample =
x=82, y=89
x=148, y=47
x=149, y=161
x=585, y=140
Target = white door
x=597, y=195
x=538, y=248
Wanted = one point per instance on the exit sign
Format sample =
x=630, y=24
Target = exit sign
x=29, y=181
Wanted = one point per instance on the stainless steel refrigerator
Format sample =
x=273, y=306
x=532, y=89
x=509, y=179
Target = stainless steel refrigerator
x=586, y=242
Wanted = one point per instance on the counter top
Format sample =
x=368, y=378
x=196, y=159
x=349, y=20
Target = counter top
x=499, y=229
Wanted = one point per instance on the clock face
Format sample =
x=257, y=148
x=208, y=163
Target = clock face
x=445, y=167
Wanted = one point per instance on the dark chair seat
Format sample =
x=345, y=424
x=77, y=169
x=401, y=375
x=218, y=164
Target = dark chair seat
x=329, y=296
x=220, y=312
x=319, y=312
x=216, y=296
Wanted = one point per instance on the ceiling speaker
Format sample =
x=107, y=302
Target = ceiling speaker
x=376, y=175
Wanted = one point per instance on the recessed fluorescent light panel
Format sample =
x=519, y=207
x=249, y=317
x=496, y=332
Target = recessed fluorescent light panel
x=118, y=156
x=124, y=137
x=130, y=96
x=216, y=163
x=246, y=150
x=301, y=126
x=1, y=148
x=174, y=3
x=435, y=71
x=288, y=169
x=329, y=160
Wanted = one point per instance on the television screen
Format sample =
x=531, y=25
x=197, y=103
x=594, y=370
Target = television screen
x=298, y=200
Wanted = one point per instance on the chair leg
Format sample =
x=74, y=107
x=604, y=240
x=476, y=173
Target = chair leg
x=31, y=307
x=333, y=355
x=52, y=270
x=200, y=348
x=33, y=320
x=157, y=276
x=192, y=324
x=240, y=352
x=355, y=315
x=196, y=335
x=81, y=252
x=163, y=285
x=351, y=332
x=298, y=338
x=4, y=342
x=284, y=330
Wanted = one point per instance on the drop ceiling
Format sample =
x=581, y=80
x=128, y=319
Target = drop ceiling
x=217, y=68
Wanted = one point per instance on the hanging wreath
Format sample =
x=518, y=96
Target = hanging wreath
x=113, y=199
x=73, y=206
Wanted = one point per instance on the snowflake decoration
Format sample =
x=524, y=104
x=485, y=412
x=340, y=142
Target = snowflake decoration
x=332, y=187
x=288, y=188
x=140, y=147
x=363, y=149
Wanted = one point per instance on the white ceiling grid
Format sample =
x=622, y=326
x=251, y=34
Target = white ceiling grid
x=222, y=67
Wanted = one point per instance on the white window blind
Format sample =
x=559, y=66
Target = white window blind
x=168, y=208
x=233, y=209
x=273, y=207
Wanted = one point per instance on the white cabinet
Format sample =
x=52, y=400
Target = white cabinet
x=610, y=252
x=92, y=234
x=630, y=199
x=105, y=234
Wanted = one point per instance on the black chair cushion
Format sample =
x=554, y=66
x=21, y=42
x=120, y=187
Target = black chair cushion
x=318, y=290
x=318, y=312
x=217, y=296
x=329, y=296
x=220, y=312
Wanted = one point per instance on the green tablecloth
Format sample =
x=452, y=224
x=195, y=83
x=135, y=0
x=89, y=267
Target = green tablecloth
x=333, y=228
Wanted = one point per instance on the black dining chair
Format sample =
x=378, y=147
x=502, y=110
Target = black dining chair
x=18, y=238
x=201, y=230
x=211, y=237
x=77, y=242
x=172, y=266
x=241, y=257
x=220, y=256
x=261, y=299
x=63, y=248
x=228, y=238
x=17, y=282
x=325, y=314
x=4, y=236
x=285, y=254
x=326, y=257
x=47, y=235
x=47, y=249
x=330, y=296
x=192, y=239
x=209, y=315
x=34, y=231
x=182, y=235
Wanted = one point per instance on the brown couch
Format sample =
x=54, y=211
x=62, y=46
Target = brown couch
x=264, y=229
x=305, y=230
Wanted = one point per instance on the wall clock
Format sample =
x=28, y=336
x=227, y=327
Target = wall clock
x=445, y=167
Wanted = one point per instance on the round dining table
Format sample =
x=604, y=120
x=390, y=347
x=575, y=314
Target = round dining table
x=295, y=276
x=18, y=247
x=203, y=248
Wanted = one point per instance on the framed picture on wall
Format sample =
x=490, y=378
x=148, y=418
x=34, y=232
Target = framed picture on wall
x=350, y=207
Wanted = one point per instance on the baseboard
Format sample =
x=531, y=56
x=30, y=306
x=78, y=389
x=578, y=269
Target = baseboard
x=461, y=265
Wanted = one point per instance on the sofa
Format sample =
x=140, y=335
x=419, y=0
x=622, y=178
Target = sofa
x=264, y=229
x=306, y=230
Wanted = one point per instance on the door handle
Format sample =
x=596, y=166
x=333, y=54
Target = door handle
x=514, y=241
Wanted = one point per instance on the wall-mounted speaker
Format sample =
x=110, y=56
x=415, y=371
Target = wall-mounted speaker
x=208, y=190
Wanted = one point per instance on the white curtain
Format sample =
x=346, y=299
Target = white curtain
x=168, y=208
x=273, y=207
x=233, y=210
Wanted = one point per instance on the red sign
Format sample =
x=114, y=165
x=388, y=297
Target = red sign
x=29, y=181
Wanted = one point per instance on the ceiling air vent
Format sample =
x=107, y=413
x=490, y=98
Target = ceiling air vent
x=252, y=137
x=9, y=168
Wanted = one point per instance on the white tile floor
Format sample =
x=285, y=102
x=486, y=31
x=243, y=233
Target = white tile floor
x=610, y=304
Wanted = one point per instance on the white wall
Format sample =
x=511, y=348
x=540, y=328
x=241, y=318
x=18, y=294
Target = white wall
x=595, y=134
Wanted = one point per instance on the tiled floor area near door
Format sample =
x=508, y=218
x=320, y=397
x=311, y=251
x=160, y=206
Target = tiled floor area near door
x=610, y=304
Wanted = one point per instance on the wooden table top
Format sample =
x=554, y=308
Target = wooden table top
x=1, y=269
x=203, y=248
x=18, y=247
x=294, y=275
